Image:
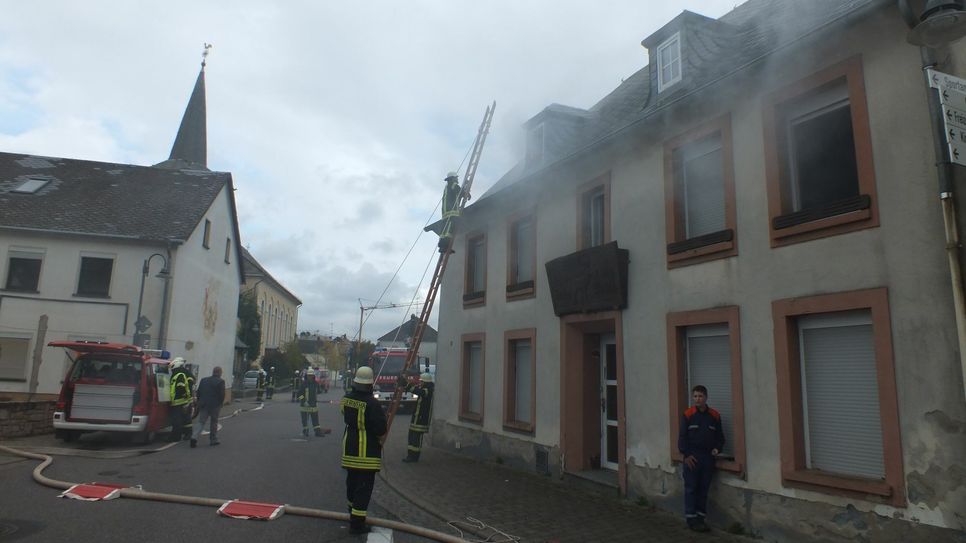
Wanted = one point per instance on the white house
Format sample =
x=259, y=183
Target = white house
x=119, y=253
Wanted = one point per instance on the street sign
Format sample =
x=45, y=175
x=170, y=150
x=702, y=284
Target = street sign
x=954, y=117
x=957, y=153
x=952, y=98
x=939, y=80
x=956, y=135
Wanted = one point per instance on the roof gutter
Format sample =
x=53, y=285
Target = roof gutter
x=48, y=231
x=869, y=7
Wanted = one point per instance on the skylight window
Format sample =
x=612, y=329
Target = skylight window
x=31, y=186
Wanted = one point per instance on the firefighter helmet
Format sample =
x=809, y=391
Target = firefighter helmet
x=177, y=363
x=426, y=377
x=452, y=175
x=363, y=376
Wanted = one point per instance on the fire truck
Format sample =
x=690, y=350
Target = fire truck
x=113, y=387
x=387, y=365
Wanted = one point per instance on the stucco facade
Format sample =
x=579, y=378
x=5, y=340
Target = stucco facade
x=896, y=257
x=277, y=306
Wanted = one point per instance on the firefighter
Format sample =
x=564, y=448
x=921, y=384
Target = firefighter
x=308, y=396
x=365, y=426
x=295, y=386
x=451, y=210
x=179, y=410
x=270, y=383
x=419, y=424
x=260, y=385
x=700, y=439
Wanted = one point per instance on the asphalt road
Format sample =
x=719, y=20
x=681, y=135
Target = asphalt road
x=262, y=457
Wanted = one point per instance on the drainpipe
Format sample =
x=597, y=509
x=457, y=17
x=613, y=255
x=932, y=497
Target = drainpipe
x=948, y=201
x=162, y=326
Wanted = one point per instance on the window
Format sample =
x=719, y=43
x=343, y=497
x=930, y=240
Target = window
x=704, y=349
x=594, y=213
x=521, y=258
x=32, y=185
x=818, y=153
x=95, y=276
x=23, y=271
x=474, y=288
x=228, y=251
x=14, y=353
x=471, y=397
x=206, y=240
x=700, y=195
x=535, y=145
x=519, y=386
x=669, y=63
x=834, y=360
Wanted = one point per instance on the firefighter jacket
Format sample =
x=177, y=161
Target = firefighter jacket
x=700, y=432
x=309, y=395
x=365, y=423
x=424, y=405
x=451, y=197
x=270, y=381
x=180, y=390
x=260, y=383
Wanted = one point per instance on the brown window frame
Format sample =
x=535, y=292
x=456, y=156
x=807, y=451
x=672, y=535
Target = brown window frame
x=711, y=246
x=477, y=298
x=520, y=291
x=509, y=380
x=206, y=238
x=789, y=387
x=776, y=179
x=677, y=325
x=584, y=192
x=465, y=414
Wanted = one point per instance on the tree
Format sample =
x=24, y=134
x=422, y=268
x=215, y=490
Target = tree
x=249, y=323
x=335, y=355
x=285, y=360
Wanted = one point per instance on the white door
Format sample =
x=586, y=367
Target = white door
x=608, y=402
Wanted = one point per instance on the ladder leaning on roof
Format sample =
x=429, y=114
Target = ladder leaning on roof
x=434, y=285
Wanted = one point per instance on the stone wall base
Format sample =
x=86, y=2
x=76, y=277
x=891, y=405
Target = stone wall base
x=21, y=419
x=770, y=517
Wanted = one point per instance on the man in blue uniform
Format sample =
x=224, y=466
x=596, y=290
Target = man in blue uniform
x=700, y=439
x=365, y=425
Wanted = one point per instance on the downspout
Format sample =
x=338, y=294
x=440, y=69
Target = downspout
x=947, y=198
x=163, y=325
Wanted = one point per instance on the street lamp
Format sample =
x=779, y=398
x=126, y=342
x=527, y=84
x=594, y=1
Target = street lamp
x=941, y=22
x=142, y=323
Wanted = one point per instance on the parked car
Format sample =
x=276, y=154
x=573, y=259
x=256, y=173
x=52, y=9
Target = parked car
x=251, y=379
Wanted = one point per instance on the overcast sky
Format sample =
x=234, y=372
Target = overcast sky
x=338, y=120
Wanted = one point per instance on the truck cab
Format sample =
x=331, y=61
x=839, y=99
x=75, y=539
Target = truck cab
x=112, y=387
x=387, y=365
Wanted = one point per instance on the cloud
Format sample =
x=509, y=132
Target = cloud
x=338, y=120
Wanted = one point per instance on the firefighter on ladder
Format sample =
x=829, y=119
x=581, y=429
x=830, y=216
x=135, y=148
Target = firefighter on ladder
x=451, y=210
x=179, y=412
x=419, y=424
x=309, y=406
x=365, y=426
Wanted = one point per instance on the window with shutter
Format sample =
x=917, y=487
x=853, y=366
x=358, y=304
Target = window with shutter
x=13, y=358
x=519, y=375
x=472, y=384
x=709, y=363
x=842, y=435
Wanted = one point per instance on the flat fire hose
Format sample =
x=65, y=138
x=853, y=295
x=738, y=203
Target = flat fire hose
x=139, y=494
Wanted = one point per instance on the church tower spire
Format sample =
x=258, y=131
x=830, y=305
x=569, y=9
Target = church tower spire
x=190, y=147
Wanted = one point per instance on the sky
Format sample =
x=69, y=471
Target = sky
x=337, y=120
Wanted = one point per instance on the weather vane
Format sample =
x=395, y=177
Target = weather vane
x=204, y=55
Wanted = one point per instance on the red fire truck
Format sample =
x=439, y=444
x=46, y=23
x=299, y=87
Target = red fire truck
x=387, y=365
x=112, y=387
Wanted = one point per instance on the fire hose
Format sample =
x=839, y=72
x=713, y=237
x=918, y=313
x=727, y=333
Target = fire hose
x=139, y=494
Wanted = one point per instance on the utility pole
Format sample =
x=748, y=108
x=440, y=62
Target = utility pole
x=362, y=314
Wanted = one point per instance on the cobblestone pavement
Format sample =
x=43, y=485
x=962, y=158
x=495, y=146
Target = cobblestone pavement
x=525, y=507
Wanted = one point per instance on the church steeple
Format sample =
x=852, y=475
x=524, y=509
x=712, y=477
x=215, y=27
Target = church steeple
x=190, y=149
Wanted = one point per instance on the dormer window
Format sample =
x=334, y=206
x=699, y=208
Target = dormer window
x=669, y=62
x=32, y=185
x=535, y=145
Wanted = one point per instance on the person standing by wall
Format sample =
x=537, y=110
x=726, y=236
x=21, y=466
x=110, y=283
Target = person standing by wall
x=700, y=439
x=179, y=411
x=365, y=425
x=211, y=396
x=419, y=424
x=260, y=385
x=270, y=383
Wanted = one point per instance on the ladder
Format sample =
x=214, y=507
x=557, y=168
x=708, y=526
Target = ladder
x=411, y=356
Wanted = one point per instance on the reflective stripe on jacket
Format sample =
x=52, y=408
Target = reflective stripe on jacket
x=365, y=423
x=424, y=406
x=180, y=388
x=309, y=395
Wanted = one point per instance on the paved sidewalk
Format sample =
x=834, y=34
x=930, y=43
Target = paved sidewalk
x=534, y=508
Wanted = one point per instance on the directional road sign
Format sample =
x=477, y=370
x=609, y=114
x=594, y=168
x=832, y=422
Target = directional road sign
x=939, y=80
x=952, y=96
